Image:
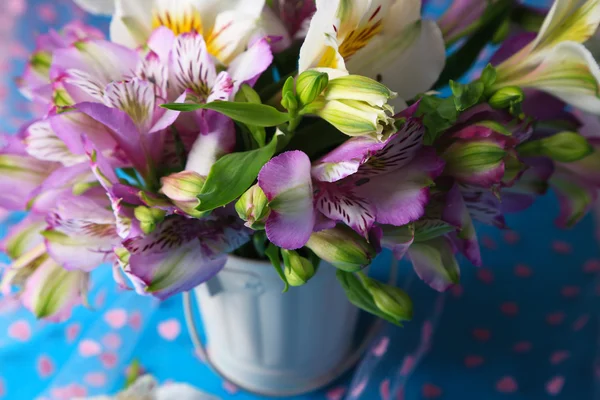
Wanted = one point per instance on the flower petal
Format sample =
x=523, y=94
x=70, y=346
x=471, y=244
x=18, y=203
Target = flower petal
x=43, y=144
x=434, y=263
x=51, y=291
x=483, y=205
x=457, y=214
x=218, y=140
x=192, y=66
x=345, y=159
x=131, y=25
x=398, y=239
x=576, y=198
x=180, y=254
x=248, y=66
x=230, y=34
x=135, y=97
x=103, y=7
x=287, y=184
x=340, y=203
x=23, y=236
x=400, y=197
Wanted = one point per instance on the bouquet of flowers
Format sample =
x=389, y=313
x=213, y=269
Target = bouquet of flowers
x=295, y=132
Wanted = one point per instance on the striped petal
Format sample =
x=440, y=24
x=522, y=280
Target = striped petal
x=457, y=214
x=192, y=66
x=136, y=98
x=181, y=254
x=248, y=66
x=43, y=143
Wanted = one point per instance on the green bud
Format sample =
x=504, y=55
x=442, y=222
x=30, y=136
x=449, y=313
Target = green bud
x=488, y=75
x=562, y=147
x=289, y=102
x=253, y=207
x=507, y=97
x=466, y=159
x=309, y=85
x=298, y=270
x=343, y=248
x=390, y=300
x=149, y=218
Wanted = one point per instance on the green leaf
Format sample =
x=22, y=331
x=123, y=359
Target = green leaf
x=273, y=253
x=466, y=96
x=563, y=147
x=438, y=115
x=250, y=94
x=427, y=229
x=359, y=296
x=232, y=175
x=248, y=113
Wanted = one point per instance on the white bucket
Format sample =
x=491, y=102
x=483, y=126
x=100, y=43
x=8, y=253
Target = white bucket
x=274, y=343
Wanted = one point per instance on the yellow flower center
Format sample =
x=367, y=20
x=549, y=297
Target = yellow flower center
x=179, y=21
x=359, y=38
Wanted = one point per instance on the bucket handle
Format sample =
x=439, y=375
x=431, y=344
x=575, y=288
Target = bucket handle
x=344, y=366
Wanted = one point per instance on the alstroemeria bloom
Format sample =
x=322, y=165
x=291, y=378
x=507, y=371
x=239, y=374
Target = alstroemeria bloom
x=364, y=181
x=385, y=40
x=227, y=26
x=35, y=82
x=182, y=253
x=555, y=61
x=20, y=174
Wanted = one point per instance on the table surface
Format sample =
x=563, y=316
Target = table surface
x=525, y=326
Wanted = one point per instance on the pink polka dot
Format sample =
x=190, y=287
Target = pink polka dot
x=20, y=330
x=96, y=379
x=522, y=347
x=556, y=318
x=473, y=361
x=135, y=320
x=591, y=266
x=511, y=237
x=336, y=393
x=72, y=331
x=2, y=388
x=570, y=291
x=169, y=329
x=112, y=341
x=407, y=365
x=382, y=346
x=561, y=247
x=431, y=391
x=45, y=366
x=108, y=359
x=581, y=322
x=68, y=392
x=116, y=318
x=384, y=389
x=482, y=335
x=559, y=356
x=100, y=298
x=507, y=384
x=457, y=291
x=510, y=308
x=358, y=389
x=230, y=387
x=485, y=275
x=89, y=348
x=488, y=242
x=47, y=13
x=555, y=385
x=523, y=271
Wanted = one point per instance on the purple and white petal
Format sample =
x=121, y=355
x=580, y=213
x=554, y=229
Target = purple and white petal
x=218, y=140
x=43, y=144
x=483, y=205
x=399, y=150
x=398, y=239
x=457, y=214
x=339, y=203
x=400, y=197
x=435, y=264
x=287, y=184
x=181, y=254
x=192, y=66
x=135, y=97
x=222, y=89
x=345, y=159
x=248, y=66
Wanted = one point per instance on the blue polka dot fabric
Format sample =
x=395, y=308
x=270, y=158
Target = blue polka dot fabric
x=525, y=326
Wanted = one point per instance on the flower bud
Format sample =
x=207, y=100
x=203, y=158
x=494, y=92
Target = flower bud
x=309, y=85
x=390, y=300
x=298, y=270
x=253, y=207
x=477, y=162
x=343, y=248
x=360, y=88
x=563, y=147
x=289, y=102
x=149, y=218
x=183, y=186
x=507, y=97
